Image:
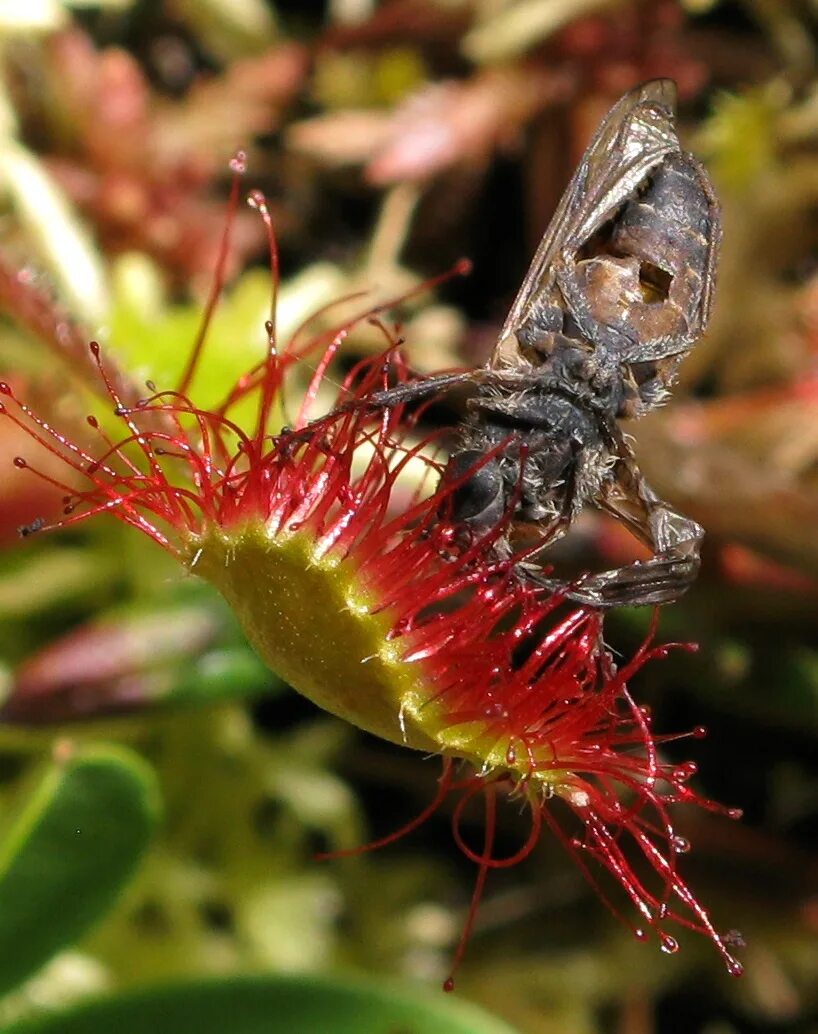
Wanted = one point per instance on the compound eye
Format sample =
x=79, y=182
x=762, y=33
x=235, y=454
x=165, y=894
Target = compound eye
x=479, y=497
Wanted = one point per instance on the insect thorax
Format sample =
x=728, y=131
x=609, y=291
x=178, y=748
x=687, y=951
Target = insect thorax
x=593, y=373
x=549, y=444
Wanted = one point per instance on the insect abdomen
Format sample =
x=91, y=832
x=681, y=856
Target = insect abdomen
x=669, y=229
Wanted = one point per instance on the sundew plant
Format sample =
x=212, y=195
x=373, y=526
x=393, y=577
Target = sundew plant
x=389, y=616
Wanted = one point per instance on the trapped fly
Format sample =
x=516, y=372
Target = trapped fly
x=618, y=292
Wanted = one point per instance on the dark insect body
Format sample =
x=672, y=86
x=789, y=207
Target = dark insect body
x=618, y=292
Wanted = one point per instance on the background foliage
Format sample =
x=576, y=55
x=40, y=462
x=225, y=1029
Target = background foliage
x=391, y=138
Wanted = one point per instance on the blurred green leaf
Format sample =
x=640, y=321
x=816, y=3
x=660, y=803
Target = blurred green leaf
x=114, y=5
x=67, y=856
x=269, y=1005
x=152, y=338
x=230, y=28
x=53, y=226
x=740, y=137
x=124, y=661
x=42, y=580
x=231, y=673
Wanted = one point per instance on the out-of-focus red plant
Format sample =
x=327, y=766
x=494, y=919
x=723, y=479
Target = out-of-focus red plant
x=107, y=666
x=460, y=123
x=444, y=124
x=141, y=166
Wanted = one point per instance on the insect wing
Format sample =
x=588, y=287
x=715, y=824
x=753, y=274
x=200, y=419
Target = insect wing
x=635, y=136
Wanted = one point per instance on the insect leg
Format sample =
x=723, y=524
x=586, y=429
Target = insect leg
x=411, y=391
x=417, y=390
x=674, y=539
x=414, y=391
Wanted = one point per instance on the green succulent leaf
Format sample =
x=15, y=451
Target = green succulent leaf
x=72, y=848
x=252, y=1005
